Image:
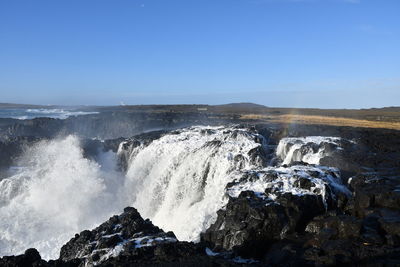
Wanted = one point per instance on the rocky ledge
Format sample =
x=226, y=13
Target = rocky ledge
x=362, y=229
x=124, y=240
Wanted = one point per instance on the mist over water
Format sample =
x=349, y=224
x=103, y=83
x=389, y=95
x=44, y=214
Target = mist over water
x=179, y=181
x=57, y=194
x=56, y=113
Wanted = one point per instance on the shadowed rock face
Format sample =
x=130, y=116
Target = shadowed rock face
x=364, y=229
x=11, y=149
x=249, y=225
x=31, y=257
x=120, y=234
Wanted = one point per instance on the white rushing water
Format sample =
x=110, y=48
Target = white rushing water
x=280, y=180
x=56, y=195
x=178, y=181
x=306, y=149
x=56, y=113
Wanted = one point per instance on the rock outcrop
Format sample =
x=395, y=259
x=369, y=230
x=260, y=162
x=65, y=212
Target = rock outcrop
x=124, y=240
x=120, y=234
x=268, y=205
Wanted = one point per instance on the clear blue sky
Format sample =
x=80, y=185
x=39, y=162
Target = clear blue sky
x=303, y=53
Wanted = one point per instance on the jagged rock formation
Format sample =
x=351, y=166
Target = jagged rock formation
x=249, y=225
x=31, y=257
x=128, y=239
x=125, y=230
x=270, y=204
x=363, y=230
x=123, y=240
x=326, y=200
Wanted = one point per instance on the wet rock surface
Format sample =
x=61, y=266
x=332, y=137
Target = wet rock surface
x=128, y=239
x=124, y=240
x=249, y=225
x=298, y=231
x=360, y=228
x=272, y=226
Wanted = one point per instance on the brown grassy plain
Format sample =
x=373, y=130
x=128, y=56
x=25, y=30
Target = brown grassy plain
x=322, y=120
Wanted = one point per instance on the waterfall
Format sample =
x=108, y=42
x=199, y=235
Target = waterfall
x=308, y=149
x=179, y=180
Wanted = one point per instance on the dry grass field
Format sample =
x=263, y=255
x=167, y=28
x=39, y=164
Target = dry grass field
x=324, y=120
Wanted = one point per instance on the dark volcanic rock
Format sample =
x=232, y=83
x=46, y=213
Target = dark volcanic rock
x=129, y=240
x=31, y=257
x=127, y=231
x=341, y=226
x=334, y=239
x=124, y=240
x=375, y=147
x=250, y=224
x=365, y=232
x=39, y=127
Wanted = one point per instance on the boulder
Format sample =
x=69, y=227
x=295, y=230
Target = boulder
x=31, y=257
x=123, y=232
x=250, y=224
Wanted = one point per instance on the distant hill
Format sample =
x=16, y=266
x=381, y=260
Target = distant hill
x=242, y=105
x=387, y=109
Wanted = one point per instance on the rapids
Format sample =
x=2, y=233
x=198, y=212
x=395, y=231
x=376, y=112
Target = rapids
x=179, y=181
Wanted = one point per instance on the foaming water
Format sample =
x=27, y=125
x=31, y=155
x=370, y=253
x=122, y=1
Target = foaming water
x=56, y=195
x=179, y=180
x=306, y=149
x=56, y=113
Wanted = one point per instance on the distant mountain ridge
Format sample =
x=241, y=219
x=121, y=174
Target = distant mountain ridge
x=239, y=105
